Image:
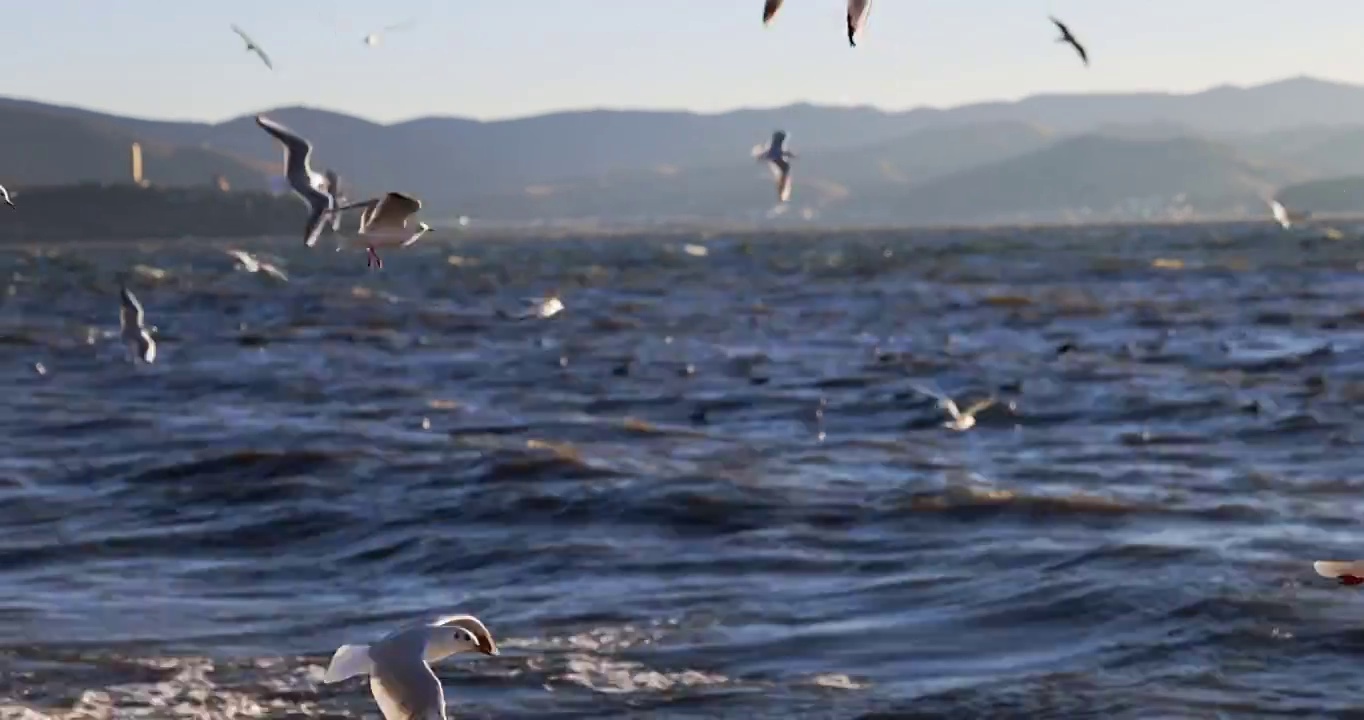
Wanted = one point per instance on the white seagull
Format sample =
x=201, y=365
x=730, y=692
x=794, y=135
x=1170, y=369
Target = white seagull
x=251, y=46
x=384, y=223
x=858, y=11
x=302, y=179
x=252, y=264
x=5, y=195
x=545, y=307
x=132, y=327
x=400, y=675
x=960, y=420
x=1346, y=572
x=777, y=158
x=1284, y=216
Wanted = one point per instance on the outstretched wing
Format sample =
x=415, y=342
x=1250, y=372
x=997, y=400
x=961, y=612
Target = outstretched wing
x=130, y=312
x=770, y=9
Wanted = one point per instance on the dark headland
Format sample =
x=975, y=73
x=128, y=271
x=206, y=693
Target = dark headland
x=124, y=211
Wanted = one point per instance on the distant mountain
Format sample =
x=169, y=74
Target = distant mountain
x=1332, y=195
x=854, y=162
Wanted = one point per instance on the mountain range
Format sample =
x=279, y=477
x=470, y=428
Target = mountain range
x=1220, y=152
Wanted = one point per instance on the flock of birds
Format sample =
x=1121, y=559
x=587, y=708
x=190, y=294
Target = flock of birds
x=398, y=666
x=775, y=154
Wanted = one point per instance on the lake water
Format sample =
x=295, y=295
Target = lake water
x=709, y=488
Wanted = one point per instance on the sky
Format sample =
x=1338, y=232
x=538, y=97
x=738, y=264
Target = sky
x=492, y=59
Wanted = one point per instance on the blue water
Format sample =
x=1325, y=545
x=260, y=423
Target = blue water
x=709, y=488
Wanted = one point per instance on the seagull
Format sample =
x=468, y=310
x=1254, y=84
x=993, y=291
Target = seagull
x=384, y=221
x=777, y=157
x=400, y=675
x=372, y=39
x=251, y=46
x=960, y=420
x=545, y=307
x=333, y=189
x=5, y=195
x=1284, y=216
x=1347, y=572
x=1066, y=37
x=132, y=329
x=858, y=10
x=251, y=264
x=302, y=179
x=770, y=9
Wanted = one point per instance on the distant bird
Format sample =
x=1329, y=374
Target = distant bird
x=400, y=677
x=777, y=158
x=384, y=223
x=1286, y=217
x=373, y=38
x=545, y=307
x=333, y=188
x=5, y=195
x=1346, y=572
x=251, y=264
x=770, y=9
x=960, y=420
x=1067, y=37
x=302, y=179
x=251, y=46
x=133, y=329
x=858, y=11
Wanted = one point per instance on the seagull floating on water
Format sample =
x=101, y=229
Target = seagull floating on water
x=1347, y=572
x=251, y=46
x=1067, y=37
x=777, y=156
x=384, y=223
x=132, y=327
x=960, y=420
x=400, y=677
x=302, y=179
x=251, y=264
x=858, y=10
x=545, y=307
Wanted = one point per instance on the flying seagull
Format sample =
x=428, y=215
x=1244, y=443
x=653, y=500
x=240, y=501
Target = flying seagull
x=251, y=46
x=777, y=158
x=400, y=677
x=960, y=420
x=858, y=10
x=373, y=38
x=1286, y=217
x=251, y=264
x=5, y=195
x=302, y=179
x=384, y=223
x=770, y=9
x=1067, y=37
x=1346, y=572
x=132, y=327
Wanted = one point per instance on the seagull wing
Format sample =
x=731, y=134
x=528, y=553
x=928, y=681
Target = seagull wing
x=770, y=9
x=274, y=272
x=858, y=12
x=1336, y=568
x=978, y=406
x=244, y=258
x=264, y=58
x=407, y=689
x=130, y=313
x=298, y=153
x=1084, y=56
x=242, y=33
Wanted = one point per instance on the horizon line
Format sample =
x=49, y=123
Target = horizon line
x=712, y=113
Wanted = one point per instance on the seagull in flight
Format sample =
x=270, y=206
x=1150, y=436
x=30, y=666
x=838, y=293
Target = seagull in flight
x=373, y=38
x=132, y=327
x=1286, y=217
x=1067, y=37
x=384, y=223
x=770, y=9
x=398, y=666
x=858, y=10
x=778, y=159
x=251, y=264
x=251, y=46
x=960, y=420
x=4, y=194
x=302, y=179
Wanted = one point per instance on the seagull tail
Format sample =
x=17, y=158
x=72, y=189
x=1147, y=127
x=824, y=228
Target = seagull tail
x=349, y=661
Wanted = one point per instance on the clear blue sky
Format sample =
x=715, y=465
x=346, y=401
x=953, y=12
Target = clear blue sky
x=502, y=58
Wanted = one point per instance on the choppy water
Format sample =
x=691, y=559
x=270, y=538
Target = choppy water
x=707, y=489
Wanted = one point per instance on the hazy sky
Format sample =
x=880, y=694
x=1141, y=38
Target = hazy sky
x=501, y=58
